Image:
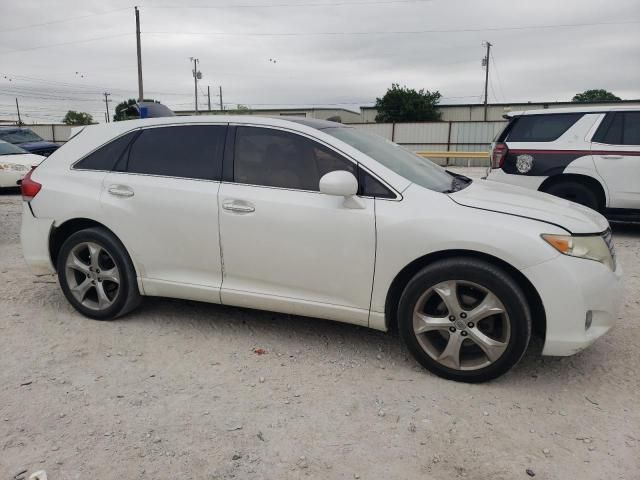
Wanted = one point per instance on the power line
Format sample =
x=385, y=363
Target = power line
x=74, y=42
x=392, y=32
x=62, y=20
x=287, y=5
x=495, y=67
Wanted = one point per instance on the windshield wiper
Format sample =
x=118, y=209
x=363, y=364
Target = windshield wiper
x=458, y=182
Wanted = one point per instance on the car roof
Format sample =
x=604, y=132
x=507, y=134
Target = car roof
x=583, y=109
x=117, y=128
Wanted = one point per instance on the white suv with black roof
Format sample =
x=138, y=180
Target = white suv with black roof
x=584, y=154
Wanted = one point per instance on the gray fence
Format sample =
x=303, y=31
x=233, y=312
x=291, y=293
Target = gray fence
x=58, y=133
x=441, y=137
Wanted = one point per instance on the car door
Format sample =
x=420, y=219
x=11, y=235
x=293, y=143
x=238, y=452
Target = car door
x=287, y=247
x=163, y=201
x=616, y=153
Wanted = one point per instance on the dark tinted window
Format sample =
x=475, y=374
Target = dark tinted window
x=610, y=130
x=541, y=128
x=190, y=151
x=371, y=186
x=105, y=157
x=281, y=159
x=631, y=135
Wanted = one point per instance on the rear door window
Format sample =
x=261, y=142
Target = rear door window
x=188, y=151
x=541, y=128
x=631, y=133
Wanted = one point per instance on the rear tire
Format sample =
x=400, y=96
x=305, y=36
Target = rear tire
x=97, y=275
x=464, y=319
x=576, y=192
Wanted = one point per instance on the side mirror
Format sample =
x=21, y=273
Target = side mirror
x=342, y=184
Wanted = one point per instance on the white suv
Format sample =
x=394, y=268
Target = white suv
x=587, y=155
x=315, y=218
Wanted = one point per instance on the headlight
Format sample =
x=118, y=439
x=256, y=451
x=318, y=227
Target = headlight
x=592, y=247
x=14, y=167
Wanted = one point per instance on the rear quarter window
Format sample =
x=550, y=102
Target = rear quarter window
x=540, y=128
x=106, y=157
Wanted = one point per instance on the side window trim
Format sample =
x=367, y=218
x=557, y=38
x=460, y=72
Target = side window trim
x=356, y=164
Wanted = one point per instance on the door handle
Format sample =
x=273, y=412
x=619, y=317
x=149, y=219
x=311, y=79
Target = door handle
x=120, y=191
x=238, y=206
x=612, y=157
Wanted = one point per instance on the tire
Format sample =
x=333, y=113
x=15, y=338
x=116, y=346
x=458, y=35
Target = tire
x=101, y=286
x=576, y=192
x=490, y=341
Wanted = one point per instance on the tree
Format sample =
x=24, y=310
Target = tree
x=122, y=109
x=402, y=104
x=596, y=95
x=77, y=118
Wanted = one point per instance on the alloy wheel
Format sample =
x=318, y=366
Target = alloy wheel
x=92, y=275
x=461, y=325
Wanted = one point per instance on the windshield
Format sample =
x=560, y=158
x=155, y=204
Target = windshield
x=403, y=162
x=9, y=149
x=19, y=136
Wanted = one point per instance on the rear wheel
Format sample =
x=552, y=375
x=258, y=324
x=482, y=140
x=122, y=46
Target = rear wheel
x=96, y=275
x=464, y=319
x=575, y=192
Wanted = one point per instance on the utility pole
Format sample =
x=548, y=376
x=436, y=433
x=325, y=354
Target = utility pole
x=221, y=104
x=18, y=108
x=140, y=89
x=106, y=104
x=485, y=62
x=209, y=96
x=196, y=76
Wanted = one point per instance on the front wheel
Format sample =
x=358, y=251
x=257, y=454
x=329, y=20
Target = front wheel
x=464, y=319
x=96, y=274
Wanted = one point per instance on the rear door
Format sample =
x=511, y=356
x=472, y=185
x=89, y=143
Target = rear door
x=616, y=152
x=286, y=246
x=163, y=202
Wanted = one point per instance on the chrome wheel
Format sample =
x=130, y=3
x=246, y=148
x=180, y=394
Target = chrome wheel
x=461, y=325
x=92, y=276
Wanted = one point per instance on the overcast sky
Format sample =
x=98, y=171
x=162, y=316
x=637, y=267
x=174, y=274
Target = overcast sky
x=56, y=56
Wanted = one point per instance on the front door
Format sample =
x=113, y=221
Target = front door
x=286, y=246
x=616, y=153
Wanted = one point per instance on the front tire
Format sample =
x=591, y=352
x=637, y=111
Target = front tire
x=96, y=275
x=464, y=319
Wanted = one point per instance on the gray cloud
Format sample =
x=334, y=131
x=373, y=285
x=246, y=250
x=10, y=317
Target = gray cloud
x=342, y=68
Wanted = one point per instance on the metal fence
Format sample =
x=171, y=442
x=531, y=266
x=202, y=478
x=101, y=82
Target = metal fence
x=455, y=137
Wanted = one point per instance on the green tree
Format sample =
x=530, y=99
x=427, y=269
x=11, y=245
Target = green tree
x=77, y=118
x=402, y=104
x=122, y=109
x=595, y=95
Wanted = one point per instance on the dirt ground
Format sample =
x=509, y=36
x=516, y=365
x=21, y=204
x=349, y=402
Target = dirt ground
x=176, y=390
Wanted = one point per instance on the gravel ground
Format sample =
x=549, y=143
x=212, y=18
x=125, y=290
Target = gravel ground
x=178, y=390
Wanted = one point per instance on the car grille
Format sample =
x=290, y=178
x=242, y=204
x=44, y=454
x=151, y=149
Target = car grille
x=608, y=239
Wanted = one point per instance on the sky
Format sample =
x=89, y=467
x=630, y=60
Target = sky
x=63, y=55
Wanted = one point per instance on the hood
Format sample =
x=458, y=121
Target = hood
x=31, y=146
x=522, y=202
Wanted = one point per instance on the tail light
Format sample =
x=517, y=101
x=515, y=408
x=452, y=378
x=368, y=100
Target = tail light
x=498, y=155
x=28, y=187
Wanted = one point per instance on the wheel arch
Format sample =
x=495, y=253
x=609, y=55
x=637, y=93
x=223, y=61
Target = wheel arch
x=589, y=181
x=407, y=273
x=60, y=233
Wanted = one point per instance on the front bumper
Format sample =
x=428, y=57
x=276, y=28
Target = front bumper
x=34, y=237
x=570, y=288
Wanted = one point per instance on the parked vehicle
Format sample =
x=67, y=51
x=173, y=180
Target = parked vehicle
x=15, y=163
x=28, y=140
x=319, y=219
x=587, y=155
